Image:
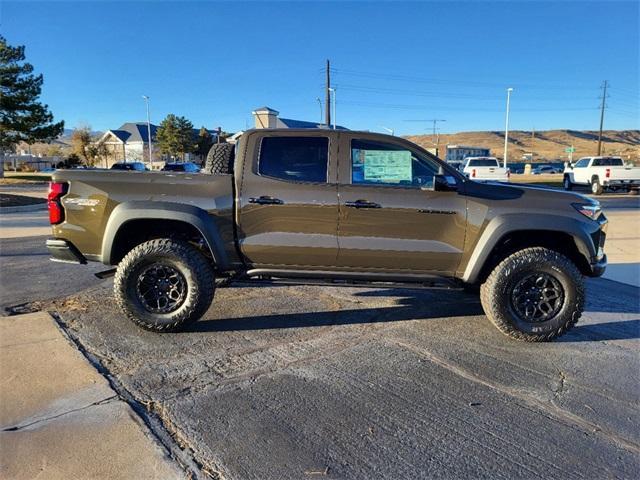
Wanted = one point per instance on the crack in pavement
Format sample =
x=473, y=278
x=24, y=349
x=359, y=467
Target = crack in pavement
x=19, y=427
x=550, y=409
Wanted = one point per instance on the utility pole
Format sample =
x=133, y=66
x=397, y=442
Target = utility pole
x=327, y=97
x=604, y=96
x=146, y=99
x=533, y=140
x=506, y=127
x=436, y=137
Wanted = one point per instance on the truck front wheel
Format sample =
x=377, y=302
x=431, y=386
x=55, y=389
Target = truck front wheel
x=164, y=284
x=566, y=183
x=534, y=295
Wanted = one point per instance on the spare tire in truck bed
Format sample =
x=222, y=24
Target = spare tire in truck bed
x=220, y=159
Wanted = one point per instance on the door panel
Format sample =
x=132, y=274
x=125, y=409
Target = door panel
x=287, y=222
x=404, y=228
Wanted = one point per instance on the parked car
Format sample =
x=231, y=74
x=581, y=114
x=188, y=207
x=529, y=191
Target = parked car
x=48, y=170
x=601, y=174
x=135, y=166
x=291, y=207
x=485, y=169
x=544, y=169
x=186, y=167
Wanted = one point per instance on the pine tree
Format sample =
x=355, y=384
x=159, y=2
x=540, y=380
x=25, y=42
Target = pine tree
x=175, y=136
x=204, y=143
x=22, y=116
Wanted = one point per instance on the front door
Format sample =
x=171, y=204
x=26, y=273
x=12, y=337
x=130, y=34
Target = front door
x=289, y=201
x=390, y=219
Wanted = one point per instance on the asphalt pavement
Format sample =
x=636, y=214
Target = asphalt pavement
x=299, y=382
x=28, y=275
x=291, y=382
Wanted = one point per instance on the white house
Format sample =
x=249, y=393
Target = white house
x=130, y=142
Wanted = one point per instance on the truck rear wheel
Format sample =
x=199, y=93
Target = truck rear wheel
x=596, y=186
x=162, y=285
x=534, y=295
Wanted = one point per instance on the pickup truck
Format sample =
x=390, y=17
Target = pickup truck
x=329, y=207
x=485, y=169
x=601, y=174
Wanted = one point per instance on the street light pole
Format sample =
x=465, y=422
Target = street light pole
x=320, y=105
x=146, y=99
x=506, y=128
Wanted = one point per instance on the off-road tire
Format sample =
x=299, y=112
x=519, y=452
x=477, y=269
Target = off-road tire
x=195, y=269
x=220, y=159
x=596, y=186
x=566, y=183
x=495, y=294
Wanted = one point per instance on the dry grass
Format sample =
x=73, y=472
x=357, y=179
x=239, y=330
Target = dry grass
x=545, y=145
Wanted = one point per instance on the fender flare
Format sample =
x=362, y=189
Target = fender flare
x=503, y=225
x=152, y=210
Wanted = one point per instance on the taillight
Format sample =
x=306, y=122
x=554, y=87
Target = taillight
x=473, y=173
x=607, y=173
x=56, y=212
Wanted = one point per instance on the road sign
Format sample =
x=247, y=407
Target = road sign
x=570, y=149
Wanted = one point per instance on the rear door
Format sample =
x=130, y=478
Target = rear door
x=288, y=200
x=389, y=219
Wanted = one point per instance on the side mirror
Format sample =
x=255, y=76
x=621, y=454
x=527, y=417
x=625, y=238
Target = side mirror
x=443, y=183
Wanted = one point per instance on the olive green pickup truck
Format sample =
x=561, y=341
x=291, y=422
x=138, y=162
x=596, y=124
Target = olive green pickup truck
x=333, y=207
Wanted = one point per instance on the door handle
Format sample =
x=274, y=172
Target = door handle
x=266, y=200
x=362, y=204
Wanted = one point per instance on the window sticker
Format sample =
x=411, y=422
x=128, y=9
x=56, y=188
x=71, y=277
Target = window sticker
x=386, y=166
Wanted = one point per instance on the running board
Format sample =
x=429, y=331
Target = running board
x=347, y=279
x=106, y=273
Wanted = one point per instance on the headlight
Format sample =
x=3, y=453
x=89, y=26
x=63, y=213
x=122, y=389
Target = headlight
x=588, y=209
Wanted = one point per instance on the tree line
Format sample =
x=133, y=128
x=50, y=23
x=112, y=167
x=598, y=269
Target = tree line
x=24, y=119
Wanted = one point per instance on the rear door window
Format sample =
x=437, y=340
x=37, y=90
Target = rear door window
x=298, y=159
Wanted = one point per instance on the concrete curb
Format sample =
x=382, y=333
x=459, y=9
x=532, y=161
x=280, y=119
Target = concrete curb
x=24, y=208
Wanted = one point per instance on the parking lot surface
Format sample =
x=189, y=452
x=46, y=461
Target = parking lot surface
x=283, y=382
x=330, y=382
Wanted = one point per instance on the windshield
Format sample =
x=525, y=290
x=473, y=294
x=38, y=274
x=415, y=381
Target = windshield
x=484, y=162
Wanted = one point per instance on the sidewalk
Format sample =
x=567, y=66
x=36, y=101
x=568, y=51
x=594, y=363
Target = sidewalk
x=623, y=247
x=60, y=419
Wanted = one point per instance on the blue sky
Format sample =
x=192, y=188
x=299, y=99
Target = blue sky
x=395, y=62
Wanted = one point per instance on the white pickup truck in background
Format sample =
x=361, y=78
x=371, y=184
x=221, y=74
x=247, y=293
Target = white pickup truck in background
x=485, y=169
x=601, y=173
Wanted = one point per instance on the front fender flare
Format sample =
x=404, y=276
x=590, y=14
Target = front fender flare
x=152, y=210
x=503, y=225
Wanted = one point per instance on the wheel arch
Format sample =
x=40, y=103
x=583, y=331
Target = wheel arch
x=507, y=234
x=134, y=220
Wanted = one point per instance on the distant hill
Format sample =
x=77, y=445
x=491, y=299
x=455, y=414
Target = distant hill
x=545, y=145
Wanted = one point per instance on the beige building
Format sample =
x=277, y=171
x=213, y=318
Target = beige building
x=266, y=117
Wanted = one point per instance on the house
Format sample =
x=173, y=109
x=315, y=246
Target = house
x=457, y=153
x=266, y=117
x=130, y=142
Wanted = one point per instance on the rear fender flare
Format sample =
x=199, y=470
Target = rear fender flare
x=152, y=210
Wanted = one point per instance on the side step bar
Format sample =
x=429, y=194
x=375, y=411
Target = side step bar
x=347, y=279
